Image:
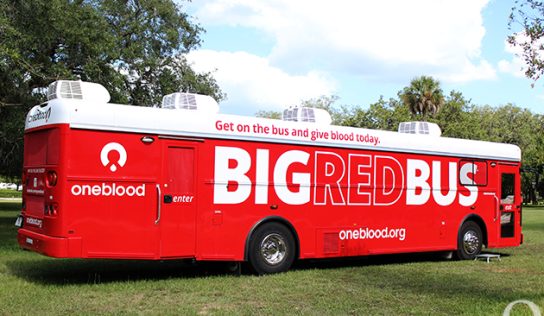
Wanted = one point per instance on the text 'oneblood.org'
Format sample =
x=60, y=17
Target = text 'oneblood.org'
x=368, y=233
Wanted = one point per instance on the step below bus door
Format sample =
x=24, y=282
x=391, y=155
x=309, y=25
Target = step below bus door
x=176, y=214
x=508, y=215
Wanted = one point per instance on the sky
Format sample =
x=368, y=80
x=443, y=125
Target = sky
x=272, y=54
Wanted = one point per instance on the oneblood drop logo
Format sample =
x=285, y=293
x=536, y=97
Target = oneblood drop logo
x=113, y=156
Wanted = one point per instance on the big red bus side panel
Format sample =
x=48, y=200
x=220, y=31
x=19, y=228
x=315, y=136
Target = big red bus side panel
x=349, y=200
x=121, y=197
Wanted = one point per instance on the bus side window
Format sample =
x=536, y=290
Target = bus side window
x=507, y=188
x=477, y=175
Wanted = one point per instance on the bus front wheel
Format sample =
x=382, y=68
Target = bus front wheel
x=469, y=241
x=271, y=249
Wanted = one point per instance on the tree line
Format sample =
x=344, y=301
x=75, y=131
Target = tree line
x=457, y=117
x=136, y=49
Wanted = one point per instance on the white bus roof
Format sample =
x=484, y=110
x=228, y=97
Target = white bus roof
x=175, y=122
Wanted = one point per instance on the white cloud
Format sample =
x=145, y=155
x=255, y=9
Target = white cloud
x=251, y=80
x=515, y=66
x=387, y=39
x=468, y=72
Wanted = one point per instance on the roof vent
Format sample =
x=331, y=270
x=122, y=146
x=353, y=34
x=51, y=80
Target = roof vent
x=79, y=90
x=306, y=114
x=421, y=128
x=190, y=101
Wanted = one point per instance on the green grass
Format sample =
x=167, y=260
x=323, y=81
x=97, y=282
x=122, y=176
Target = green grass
x=4, y=193
x=405, y=284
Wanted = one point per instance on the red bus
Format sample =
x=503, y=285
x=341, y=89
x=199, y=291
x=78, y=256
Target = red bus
x=105, y=180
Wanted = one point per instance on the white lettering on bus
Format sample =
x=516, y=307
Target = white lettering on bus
x=418, y=173
x=368, y=233
x=233, y=186
x=302, y=180
x=365, y=180
x=464, y=200
x=35, y=170
x=389, y=173
x=183, y=199
x=34, y=221
x=437, y=181
x=223, y=191
x=328, y=173
x=104, y=189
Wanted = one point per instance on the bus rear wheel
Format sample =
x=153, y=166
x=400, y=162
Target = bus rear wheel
x=271, y=249
x=469, y=241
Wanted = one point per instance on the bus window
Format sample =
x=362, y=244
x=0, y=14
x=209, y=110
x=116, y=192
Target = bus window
x=507, y=188
x=507, y=199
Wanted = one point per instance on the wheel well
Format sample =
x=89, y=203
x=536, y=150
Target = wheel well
x=272, y=219
x=480, y=222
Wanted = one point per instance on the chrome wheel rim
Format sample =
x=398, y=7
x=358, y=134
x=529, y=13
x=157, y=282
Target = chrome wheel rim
x=471, y=242
x=273, y=249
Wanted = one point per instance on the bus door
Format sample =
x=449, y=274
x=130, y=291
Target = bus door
x=177, y=212
x=509, y=212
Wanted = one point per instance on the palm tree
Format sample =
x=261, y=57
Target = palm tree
x=423, y=96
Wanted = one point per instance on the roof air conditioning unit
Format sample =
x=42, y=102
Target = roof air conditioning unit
x=421, y=128
x=306, y=114
x=190, y=101
x=79, y=90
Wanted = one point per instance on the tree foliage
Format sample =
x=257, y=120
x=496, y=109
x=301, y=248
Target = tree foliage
x=384, y=115
x=529, y=14
x=457, y=118
x=135, y=48
x=275, y=115
x=423, y=96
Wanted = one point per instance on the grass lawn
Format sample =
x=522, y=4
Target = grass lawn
x=405, y=284
x=4, y=193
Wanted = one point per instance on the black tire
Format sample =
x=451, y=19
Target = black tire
x=271, y=249
x=469, y=241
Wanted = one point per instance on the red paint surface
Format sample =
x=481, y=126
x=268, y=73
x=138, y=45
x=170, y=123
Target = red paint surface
x=100, y=213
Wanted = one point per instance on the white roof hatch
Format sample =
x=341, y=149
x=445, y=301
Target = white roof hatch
x=79, y=90
x=190, y=101
x=421, y=128
x=307, y=114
